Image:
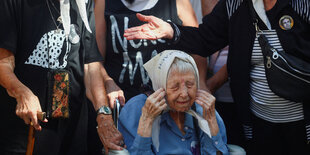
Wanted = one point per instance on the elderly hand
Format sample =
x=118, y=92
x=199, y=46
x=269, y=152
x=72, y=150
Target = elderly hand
x=28, y=105
x=154, y=104
x=155, y=28
x=207, y=101
x=113, y=93
x=110, y=137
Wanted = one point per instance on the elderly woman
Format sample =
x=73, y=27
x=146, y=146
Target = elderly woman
x=165, y=122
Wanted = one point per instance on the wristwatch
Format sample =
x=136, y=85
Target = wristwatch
x=104, y=110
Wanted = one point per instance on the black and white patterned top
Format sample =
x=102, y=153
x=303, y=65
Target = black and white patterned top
x=264, y=103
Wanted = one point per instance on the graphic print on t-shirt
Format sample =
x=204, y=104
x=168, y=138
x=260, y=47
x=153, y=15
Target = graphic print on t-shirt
x=49, y=50
x=117, y=38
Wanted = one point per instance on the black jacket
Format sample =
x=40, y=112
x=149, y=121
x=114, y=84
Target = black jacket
x=230, y=23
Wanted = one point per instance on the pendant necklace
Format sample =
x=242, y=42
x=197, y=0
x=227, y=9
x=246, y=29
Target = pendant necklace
x=58, y=19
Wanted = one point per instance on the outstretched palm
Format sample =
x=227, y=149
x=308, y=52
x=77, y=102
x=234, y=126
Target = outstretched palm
x=155, y=28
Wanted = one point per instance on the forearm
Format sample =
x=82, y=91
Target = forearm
x=214, y=128
x=202, y=65
x=186, y=13
x=100, y=26
x=8, y=79
x=218, y=79
x=105, y=75
x=145, y=126
x=207, y=6
x=94, y=84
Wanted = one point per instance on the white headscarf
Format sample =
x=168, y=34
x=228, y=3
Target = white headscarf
x=158, y=68
x=65, y=14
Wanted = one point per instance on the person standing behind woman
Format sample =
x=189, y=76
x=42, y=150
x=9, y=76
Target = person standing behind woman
x=124, y=73
x=218, y=84
x=276, y=124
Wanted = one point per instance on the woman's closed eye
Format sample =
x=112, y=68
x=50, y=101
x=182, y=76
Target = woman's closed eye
x=189, y=84
x=174, y=87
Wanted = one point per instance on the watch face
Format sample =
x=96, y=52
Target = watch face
x=106, y=110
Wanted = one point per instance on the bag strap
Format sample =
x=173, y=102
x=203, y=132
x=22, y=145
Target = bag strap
x=262, y=39
x=254, y=17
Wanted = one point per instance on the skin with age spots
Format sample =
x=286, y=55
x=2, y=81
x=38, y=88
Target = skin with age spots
x=181, y=90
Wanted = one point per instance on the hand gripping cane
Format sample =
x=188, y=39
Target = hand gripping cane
x=41, y=116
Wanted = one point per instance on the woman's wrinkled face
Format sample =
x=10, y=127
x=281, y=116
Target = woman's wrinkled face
x=181, y=90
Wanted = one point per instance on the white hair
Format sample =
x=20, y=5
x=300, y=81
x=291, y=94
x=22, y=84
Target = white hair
x=183, y=66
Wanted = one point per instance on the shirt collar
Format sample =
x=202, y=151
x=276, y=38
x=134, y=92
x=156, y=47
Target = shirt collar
x=166, y=118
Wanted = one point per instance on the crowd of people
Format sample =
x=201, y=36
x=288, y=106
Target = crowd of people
x=191, y=76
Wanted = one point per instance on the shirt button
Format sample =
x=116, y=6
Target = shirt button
x=216, y=142
x=183, y=139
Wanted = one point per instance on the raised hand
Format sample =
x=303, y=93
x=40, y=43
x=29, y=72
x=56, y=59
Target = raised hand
x=153, y=106
x=154, y=28
x=207, y=102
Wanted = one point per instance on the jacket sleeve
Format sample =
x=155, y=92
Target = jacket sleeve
x=211, y=36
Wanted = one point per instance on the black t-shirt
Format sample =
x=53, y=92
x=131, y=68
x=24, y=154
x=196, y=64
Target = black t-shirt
x=125, y=59
x=28, y=29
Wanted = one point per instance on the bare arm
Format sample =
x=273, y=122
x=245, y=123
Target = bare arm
x=202, y=65
x=207, y=102
x=153, y=106
x=113, y=91
x=218, y=79
x=187, y=14
x=207, y=6
x=101, y=27
x=95, y=91
x=28, y=104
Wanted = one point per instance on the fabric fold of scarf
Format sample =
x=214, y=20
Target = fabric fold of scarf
x=65, y=14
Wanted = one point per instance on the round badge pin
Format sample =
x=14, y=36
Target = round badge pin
x=74, y=35
x=286, y=22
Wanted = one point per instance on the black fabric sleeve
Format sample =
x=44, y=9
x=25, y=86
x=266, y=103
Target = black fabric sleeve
x=92, y=53
x=211, y=36
x=8, y=26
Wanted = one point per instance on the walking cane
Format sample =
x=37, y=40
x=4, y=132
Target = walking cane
x=41, y=116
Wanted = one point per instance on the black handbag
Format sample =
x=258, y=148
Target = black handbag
x=288, y=76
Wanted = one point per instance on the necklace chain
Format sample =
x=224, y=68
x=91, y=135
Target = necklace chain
x=54, y=6
x=54, y=21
